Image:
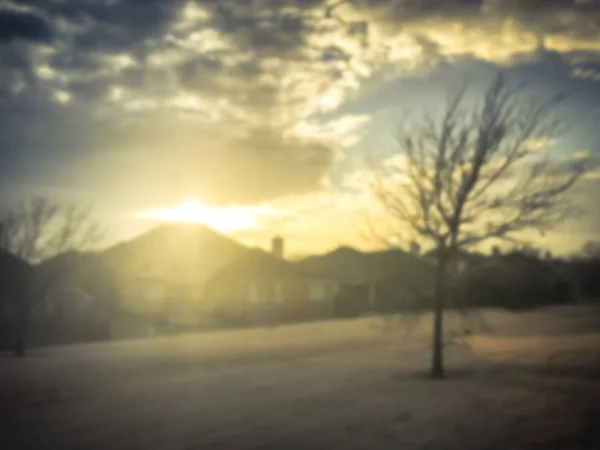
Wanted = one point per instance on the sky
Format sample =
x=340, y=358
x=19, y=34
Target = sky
x=260, y=113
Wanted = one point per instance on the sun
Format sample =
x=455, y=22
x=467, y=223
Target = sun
x=224, y=219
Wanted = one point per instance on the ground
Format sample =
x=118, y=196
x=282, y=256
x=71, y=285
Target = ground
x=532, y=383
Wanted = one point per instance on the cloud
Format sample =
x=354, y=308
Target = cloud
x=321, y=218
x=121, y=25
x=157, y=158
x=264, y=164
x=590, y=73
x=537, y=145
x=24, y=25
x=493, y=30
x=344, y=131
x=246, y=92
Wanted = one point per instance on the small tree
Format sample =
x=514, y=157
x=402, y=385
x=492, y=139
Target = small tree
x=591, y=250
x=35, y=230
x=475, y=172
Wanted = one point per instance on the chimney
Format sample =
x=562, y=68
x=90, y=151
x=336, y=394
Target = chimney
x=415, y=248
x=277, y=246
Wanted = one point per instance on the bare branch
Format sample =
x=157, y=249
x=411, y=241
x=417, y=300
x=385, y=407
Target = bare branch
x=40, y=228
x=470, y=175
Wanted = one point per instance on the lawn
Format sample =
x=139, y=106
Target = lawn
x=356, y=384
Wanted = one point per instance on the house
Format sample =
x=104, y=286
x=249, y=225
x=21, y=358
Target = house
x=379, y=281
x=95, y=296
x=15, y=274
x=74, y=300
x=515, y=280
x=162, y=274
x=404, y=288
x=262, y=287
x=185, y=275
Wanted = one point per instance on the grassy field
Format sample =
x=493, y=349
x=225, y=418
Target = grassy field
x=532, y=383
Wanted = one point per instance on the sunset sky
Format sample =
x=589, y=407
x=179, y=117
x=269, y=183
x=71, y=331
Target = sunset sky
x=259, y=113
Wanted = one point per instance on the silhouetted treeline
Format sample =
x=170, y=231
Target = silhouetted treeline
x=516, y=281
x=92, y=311
x=587, y=273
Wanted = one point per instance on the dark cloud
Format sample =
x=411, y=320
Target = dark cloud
x=257, y=166
x=112, y=25
x=335, y=53
x=36, y=126
x=76, y=62
x=271, y=163
x=402, y=12
x=237, y=66
x=90, y=91
x=16, y=67
x=269, y=31
x=553, y=17
x=16, y=25
x=239, y=81
x=577, y=17
x=63, y=146
x=254, y=166
x=201, y=70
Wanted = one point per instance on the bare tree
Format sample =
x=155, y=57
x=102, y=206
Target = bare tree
x=35, y=230
x=475, y=172
x=591, y=250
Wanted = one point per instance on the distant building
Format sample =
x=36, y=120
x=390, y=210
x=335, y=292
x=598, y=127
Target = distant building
x=262, y=288
x=163, y=274
x=277, y=247
x=79, y=300
x=190, y=277
x=415, y=248
x=514, y=280
x=380, y=281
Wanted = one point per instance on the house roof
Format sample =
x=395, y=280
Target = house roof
x=414, y=270
x=176, y=253
x=353, y=266
x=259, y=264
x=514, y=267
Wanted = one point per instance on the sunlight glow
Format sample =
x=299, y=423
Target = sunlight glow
x=221, y=219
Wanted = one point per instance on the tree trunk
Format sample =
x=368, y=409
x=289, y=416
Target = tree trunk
x=20, y=347
x=437, y=367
